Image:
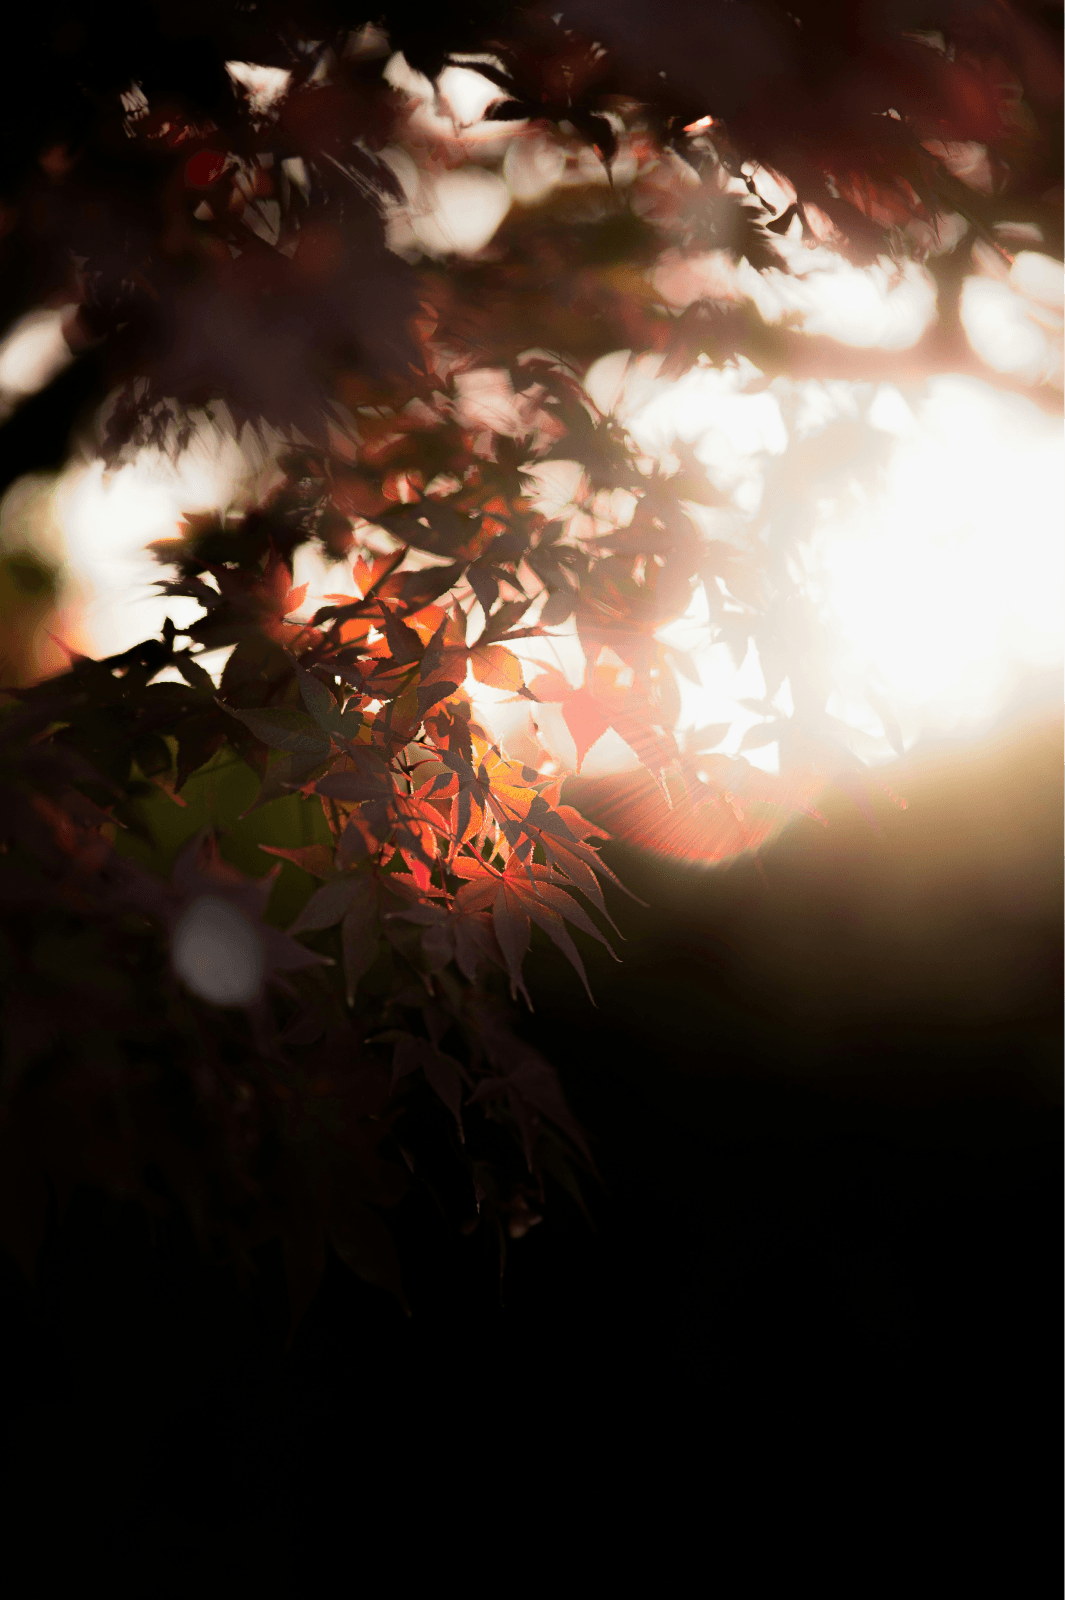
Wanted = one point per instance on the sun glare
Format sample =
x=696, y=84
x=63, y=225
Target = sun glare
x=940, y=588
x=947, y=588
x=938, y=577
x=939, y=582
x=103, y=522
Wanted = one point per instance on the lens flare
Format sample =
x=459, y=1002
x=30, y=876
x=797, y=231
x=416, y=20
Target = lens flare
x=32, y=352
x=948, y=588
x=217, y=952
x=101, y=523
x=937, y=578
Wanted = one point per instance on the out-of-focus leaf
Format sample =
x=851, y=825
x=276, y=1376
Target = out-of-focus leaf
x=586, y=720
x=708, y=738
x=559, y=607
x=761, y=734
x=888, y=721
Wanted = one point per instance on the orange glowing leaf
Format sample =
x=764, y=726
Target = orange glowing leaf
x=586, y=722
x=551, y=687
x=496, y=666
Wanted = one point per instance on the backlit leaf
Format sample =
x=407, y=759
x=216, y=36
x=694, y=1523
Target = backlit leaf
x=317, y=859
x=496, y=666
x=586, y=720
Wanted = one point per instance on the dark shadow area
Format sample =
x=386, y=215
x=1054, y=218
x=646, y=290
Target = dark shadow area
x=824, y=1103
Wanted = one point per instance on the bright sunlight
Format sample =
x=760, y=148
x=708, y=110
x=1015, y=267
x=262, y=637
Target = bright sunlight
x=930, y=535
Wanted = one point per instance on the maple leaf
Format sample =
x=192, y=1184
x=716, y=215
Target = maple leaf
x=497, y=667
x=293, y=599
x=285, y=728
x=525, y=1080
x=586, y=720
x=598, y=705
x=317, y=859
x=517, y=897
x=430, y=849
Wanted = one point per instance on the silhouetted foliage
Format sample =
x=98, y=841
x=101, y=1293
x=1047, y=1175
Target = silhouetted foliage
x=266, y=1047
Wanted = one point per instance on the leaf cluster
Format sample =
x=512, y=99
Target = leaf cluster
x=258, y=931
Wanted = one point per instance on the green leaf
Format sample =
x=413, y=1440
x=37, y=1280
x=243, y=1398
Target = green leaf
x=284, y=728
x=283, y=775
x=324, y=707
x=316, y=697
